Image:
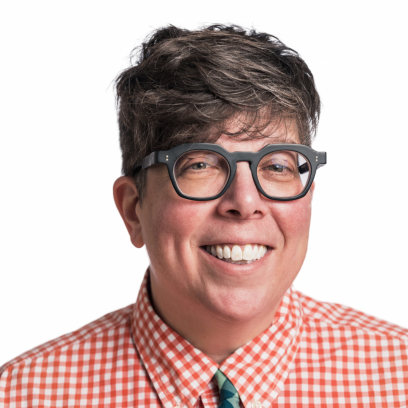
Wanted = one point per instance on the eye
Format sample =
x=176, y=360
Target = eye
x=203, y=163
x=281, y=162
x=199, y=166
x=277, y=168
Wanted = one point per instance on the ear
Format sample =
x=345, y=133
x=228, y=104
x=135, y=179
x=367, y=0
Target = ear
x=127, y=202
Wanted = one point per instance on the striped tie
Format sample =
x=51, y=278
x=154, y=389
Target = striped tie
x=229, y=397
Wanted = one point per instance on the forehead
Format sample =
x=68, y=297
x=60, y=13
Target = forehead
x=275, y=132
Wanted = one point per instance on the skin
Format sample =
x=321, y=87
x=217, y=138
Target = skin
x=217, y=306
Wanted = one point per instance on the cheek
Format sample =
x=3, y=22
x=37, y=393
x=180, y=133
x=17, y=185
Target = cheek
x=180, y=219
x=293, y=218
x=169, y=214
x=171, y=226
x=170, y=242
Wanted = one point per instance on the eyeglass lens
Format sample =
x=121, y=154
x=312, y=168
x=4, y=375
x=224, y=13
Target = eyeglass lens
x=204, y=174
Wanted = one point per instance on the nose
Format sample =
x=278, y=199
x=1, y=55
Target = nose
x=242, y=200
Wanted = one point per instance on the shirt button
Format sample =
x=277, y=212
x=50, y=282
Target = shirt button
x=256, y=404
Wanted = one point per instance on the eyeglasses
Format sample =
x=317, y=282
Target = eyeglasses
x=204, y=171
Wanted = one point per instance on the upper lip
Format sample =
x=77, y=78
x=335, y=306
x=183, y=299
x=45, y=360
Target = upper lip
x=245, y=234
x=238, y=242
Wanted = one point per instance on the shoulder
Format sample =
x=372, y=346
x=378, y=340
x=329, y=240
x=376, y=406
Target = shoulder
x=350, y=351
x=321, y=315
x=335, y=333
x=73, y=354
x=106, y=326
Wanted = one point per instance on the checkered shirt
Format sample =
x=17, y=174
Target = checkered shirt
x=313, y=355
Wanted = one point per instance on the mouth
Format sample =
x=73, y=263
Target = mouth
x=237, y=254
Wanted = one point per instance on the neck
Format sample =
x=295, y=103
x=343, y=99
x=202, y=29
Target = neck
x=213, y=335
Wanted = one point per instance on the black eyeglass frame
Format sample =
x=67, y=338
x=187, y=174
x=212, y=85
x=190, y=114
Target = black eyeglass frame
x=169, y=157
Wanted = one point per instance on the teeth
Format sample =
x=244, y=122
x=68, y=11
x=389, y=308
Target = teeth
x=248, y=254
x=255, y=251
x=219, y=251
x=236, y=255
x=227, y=252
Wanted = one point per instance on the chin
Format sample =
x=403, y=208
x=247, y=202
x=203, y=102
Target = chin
x=237, y=305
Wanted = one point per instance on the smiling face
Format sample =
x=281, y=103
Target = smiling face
x=192, y=244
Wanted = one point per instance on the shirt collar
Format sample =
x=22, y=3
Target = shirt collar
x=180, y=373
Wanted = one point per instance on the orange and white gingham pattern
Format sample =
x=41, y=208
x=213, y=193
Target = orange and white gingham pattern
x=314, y=355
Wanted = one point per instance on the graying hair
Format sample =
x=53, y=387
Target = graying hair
x=185, y=86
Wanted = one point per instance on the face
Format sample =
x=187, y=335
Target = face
x=177, y=233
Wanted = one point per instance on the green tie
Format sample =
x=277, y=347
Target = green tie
x=229, y=397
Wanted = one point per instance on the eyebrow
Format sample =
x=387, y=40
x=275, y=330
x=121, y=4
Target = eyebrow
x=285, y=141
x=280, y=142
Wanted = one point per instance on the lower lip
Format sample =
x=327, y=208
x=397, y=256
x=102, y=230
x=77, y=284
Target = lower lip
x=235, y=269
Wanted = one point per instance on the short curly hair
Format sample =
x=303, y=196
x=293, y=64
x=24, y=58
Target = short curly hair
x=185, y=86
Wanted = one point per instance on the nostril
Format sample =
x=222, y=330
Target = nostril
x=234, y=212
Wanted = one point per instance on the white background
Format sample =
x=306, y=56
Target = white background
x=65, y=256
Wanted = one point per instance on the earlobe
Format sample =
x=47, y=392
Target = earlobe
x=127, y=202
